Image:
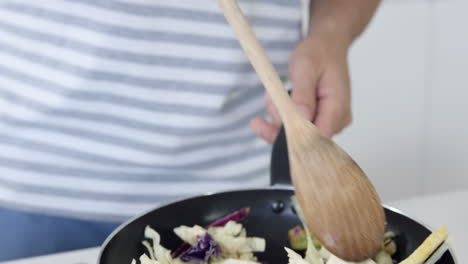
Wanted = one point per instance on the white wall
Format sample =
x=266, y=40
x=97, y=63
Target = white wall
x=447, y=123
x=409, y=98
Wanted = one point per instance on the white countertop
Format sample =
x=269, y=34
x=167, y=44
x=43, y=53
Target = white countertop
x=450, y=209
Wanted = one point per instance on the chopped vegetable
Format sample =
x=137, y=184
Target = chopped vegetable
x=315, y=242
x=297, y=238
x=228, y=238
x=190, y=234
x=335, y=260
x=239, y=245
x=236, y=216
x=235, y=261
x=149, y=248
x=389, y=244
x=225, y=241
x=295, y=258
x=314, y=256
x=230, y=229
x=161, y=254
x=226, y=244
x=182, y=248
x=427, y=247
x=389, y=235
x=144, y=259
x=202, y=251
x=383, y=258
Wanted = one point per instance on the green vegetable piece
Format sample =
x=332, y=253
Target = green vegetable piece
x=316, y=242
x=297, y=238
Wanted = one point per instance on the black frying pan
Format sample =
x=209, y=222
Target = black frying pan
x=271, y=217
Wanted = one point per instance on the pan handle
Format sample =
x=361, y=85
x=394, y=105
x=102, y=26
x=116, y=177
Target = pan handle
x=279, y=165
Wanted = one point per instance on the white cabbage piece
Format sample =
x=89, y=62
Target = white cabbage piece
x=237, y=245
x=161, y=254
x=383, y=258
x=295, y=258
x=312, y=255
x=230, y=229
x=256, y=244
x=189, y=234
x=144, y=259
x=235, y=261
x=243, y=233
x=149, y=248
x=324, y=253
x=335, y=260
x=247, y=256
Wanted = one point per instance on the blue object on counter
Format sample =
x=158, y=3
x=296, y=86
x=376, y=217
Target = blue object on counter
x=24, y=234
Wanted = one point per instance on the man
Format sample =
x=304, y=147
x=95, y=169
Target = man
x=109, y=108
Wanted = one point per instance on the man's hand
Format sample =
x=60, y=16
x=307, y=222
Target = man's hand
x=320, y=87
x=319, y=68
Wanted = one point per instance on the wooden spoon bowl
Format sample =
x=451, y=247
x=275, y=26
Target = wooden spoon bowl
x=340, y=205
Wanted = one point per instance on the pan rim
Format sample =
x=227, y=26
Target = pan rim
x=274, y=187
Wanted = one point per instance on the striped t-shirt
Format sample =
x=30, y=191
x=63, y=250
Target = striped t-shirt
x=112, y=107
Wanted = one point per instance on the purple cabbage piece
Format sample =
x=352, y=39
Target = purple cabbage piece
x=181, y=249
x=202, y=251
x=236, y=216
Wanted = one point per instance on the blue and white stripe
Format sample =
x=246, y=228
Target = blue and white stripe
x=108, y=108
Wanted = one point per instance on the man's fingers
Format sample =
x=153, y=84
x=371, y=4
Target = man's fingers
x=334, y=103
x=304, y=80
x=332, y=116
x=264, y=130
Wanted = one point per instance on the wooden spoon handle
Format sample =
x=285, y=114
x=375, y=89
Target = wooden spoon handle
x=259, y=60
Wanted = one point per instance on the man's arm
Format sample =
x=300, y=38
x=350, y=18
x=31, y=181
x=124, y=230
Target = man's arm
x=344, y=20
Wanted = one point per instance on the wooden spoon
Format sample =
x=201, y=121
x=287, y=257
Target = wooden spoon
x=341, y=207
